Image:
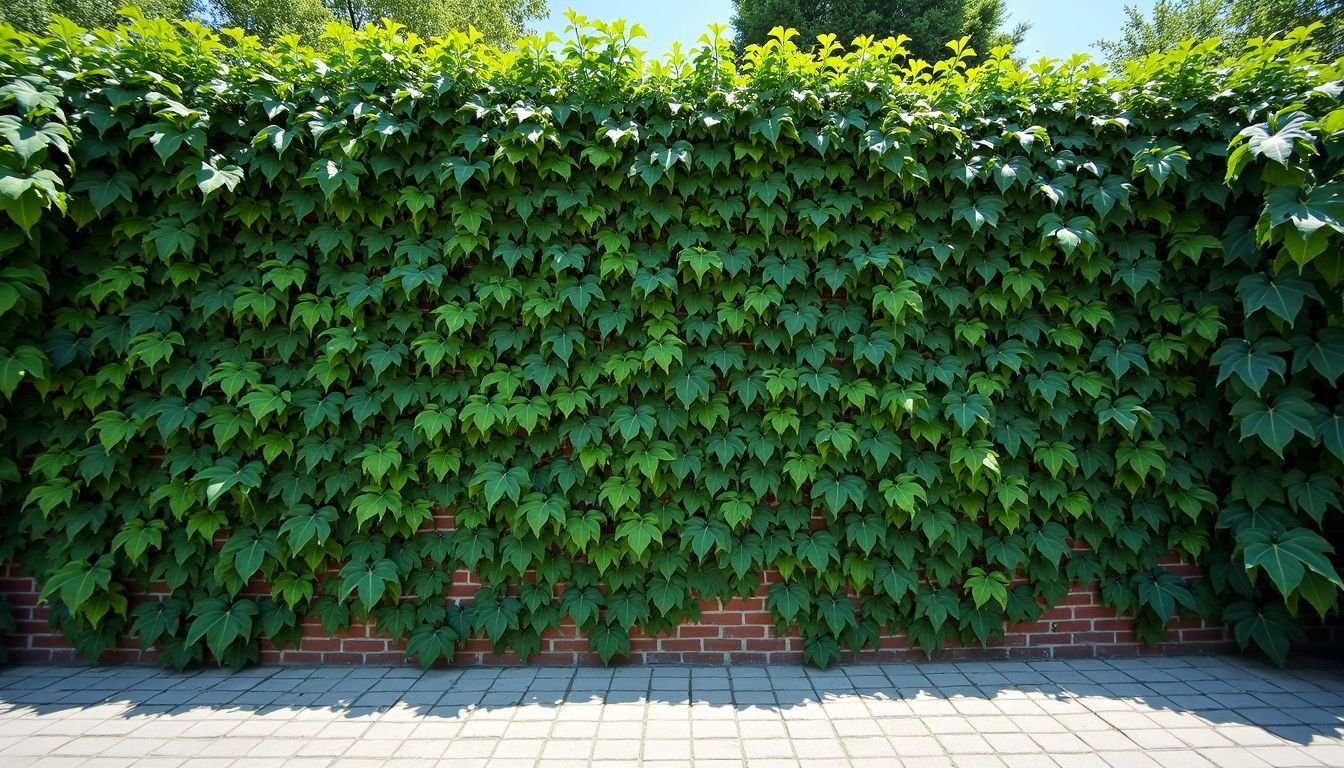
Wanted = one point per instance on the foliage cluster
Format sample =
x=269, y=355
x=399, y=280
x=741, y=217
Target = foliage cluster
x=1234, y=21
x=7, y=625
x=929, y=342
x=924, y=25
x=501, y=22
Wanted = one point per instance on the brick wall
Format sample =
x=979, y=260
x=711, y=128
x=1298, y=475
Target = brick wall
x=738, y=631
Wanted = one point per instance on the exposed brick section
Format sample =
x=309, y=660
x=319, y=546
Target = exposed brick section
x=737, y=631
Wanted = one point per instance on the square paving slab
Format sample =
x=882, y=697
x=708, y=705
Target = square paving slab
x=1183, y=712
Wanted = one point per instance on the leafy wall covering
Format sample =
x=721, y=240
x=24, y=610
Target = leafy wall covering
x=928, y=341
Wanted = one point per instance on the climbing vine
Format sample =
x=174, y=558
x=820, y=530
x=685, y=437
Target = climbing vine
x=925, y=343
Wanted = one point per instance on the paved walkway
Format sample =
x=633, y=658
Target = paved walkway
x=1131, y=713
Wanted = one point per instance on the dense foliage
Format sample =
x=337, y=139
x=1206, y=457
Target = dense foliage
x=500, y=22
x=1170, y=22
x=928, y=344
x=35, y=15
x=925, y=25
x=7, y=625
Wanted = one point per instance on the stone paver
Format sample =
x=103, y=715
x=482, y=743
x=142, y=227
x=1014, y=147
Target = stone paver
x=1125, y=713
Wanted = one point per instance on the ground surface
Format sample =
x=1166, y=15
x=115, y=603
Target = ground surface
x=1130, y=713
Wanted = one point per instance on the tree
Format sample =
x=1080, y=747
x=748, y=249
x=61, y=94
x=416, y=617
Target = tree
x=929, y=24
x=1266, y=17
x=268, y=19
x=501, y=22
x=1235, y=21
x=35, y=15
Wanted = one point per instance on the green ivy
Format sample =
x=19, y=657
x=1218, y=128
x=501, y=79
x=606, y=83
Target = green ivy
x=7, y=626
x=929, y=342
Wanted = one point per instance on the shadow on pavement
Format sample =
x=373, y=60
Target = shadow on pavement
x=1153, y=703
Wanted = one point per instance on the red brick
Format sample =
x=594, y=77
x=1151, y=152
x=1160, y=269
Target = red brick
x=690, y=631
x=744, y=631
x=300, y=657
x=1074, y=651
x=701, y=658
x=1094, y=612
x=1094, y=637
x=736, y=630
x=744, y=657
x=363, y=646
x=1118, y=624
x=662, y=658
x=342, y=658
x=1069, y=625
x=744, y=604
x=678, y=644
x=1203, y=635
x=387, y=657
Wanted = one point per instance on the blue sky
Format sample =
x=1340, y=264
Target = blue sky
x=1058, y=27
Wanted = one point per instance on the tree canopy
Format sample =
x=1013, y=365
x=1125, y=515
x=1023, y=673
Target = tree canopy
x=929, y=24
x=1235, y=21
x=35, y=15
x=500, y=22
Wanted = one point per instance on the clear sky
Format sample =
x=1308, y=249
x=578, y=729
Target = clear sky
x=1058, y=27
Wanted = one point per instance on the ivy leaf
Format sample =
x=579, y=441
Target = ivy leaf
x=639, y=532
x=24, y=362
x=156, y=620
x=787, y=601
x=107, y=190
x=305, y=524
x=1304, y=218
x=609, y=642
x=667, y=593
x=1162, y=591
x=227, y=474
x=771, y=126
x=497, y=481
x=211, y=178
x=1251, y=364
x=627, y=608
x=1269, y=626
x=1275, y=423
x=1325, y=353
x=1278, y=138
x=817, y=548
x=836, y=610
x=986, y=587
x=630, y=422
x=704, y=535
x=539, y=511
x=221, y=623
x=368, y=580
x=583, y=605
x=1313, y=495
x=1330, y=431
x=75, y=582
x=1281, y=294
x=430, y=643
x=1286, y=556
x=1120, y=358
x=966, y=409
